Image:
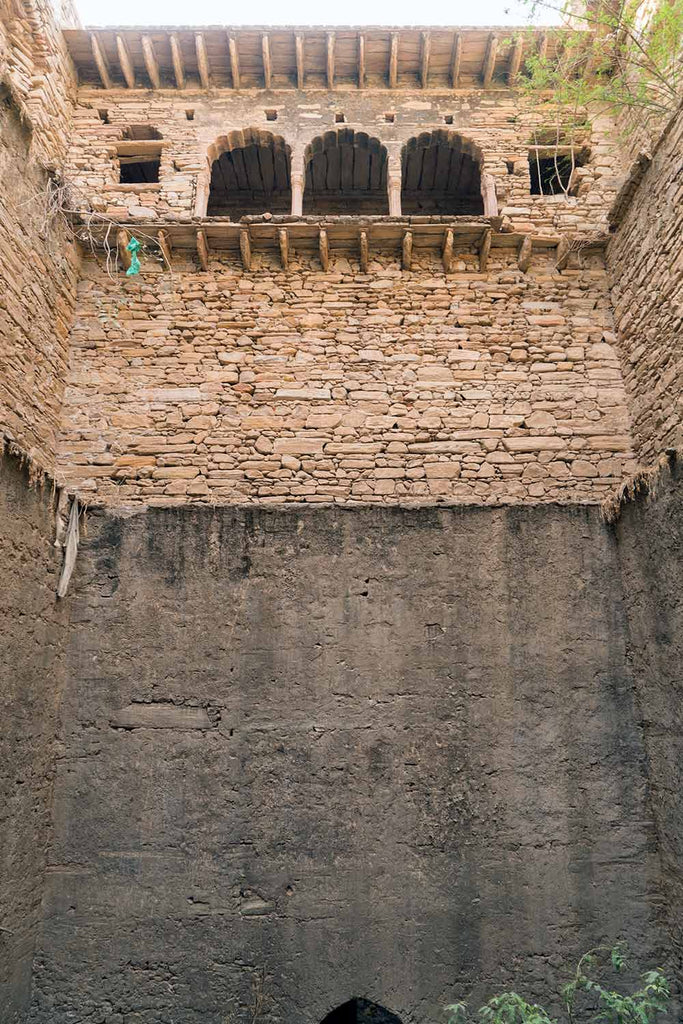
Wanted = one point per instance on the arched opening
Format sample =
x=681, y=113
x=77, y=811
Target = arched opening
x=361, y=1011
x=441, y=174
x=249, y=174
x=346, y=173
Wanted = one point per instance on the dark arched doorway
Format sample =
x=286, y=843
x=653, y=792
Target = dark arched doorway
x=361, y=1011
x=441, y=175
x=249, y=174
x=346, y=173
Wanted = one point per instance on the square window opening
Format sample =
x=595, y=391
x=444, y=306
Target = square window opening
x=139, y=170
x=271, y=115
x=189, y=114
x=390, y=118
x=339, y=118
x=551, y=174
x=448, y=119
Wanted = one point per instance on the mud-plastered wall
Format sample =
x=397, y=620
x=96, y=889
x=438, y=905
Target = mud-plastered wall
x=32, y=629
x=332, y=753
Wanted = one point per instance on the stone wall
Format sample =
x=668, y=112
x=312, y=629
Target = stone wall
x=646, y=271
x=32, y=629
x=499, y=122
x=387, y=753
x=391, y=386
x=38, y=263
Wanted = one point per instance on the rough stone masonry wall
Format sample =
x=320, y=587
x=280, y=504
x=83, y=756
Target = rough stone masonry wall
x=390, y=386
x=356, y=752
x=32, y=631
x=38, y=264
x=646, y=271
x=500, y=122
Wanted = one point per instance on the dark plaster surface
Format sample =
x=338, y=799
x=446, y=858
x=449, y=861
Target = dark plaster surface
x=650, y=537
x=313, y=756
x=31, y=674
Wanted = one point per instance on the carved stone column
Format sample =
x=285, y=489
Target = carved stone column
x=394, y=185
x=488, y=194
x=297, y=177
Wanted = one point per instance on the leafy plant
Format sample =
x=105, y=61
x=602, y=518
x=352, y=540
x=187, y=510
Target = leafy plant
x=619, y=57
x=583, y=997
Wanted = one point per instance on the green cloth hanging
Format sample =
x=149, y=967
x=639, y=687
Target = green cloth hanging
x=133, y=248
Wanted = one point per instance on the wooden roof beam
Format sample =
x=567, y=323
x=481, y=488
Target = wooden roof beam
x=245, y=249
x=424, y=58
x=178, y=63
x=299, y=45
x=267, y=63
x=330, y=60
x=234, y=62
x=456, y=57
x=490, y=60
x=126, y=63
x=515, y=60
x=361, y=60
x=393, y=61
x=202, y=60
x=151, y=62
x=324, y=249
x=165, y=247
x=202, y=249
x=101, y=62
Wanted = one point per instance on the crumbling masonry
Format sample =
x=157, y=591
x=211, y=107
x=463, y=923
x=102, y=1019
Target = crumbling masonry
x=418, y=743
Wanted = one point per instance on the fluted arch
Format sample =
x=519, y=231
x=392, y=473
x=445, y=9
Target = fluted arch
x=441, y=174
x=346, y=172
x=250, y=173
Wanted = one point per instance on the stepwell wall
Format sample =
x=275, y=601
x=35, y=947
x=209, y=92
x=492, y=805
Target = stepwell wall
x=389, y=753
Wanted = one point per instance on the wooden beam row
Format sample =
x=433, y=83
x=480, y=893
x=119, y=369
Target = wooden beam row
x=152, y=66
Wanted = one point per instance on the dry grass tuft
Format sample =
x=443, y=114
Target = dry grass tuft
x=644, y=483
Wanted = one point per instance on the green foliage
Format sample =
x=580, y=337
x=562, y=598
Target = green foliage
x=584, y=997
x=620, y=57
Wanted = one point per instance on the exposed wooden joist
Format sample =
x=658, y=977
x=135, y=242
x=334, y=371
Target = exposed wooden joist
x=364, y=252
x=202, y=249
x=563, y=252
x=122, y=240
x=330, y=60
x=456, y=56
x=515, y=60
x=283, y=241
x=393, y=61
x=490, y=60
x=407, y=250
x=177, y=58
x=361, y=61
x=424, y=58
x=202, y=60
x=165, y=247
x=267, y=64
x=524, y=255
x=245, y=248
x=299, y=43
x=151, y=62
x=324, y=249
x=488, y=195
x=234, y=62
x=484, y=250
x=126, y=63
x=101, y=61
x=447, y=251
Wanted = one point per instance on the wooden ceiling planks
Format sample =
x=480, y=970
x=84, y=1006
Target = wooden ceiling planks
x=310, y=58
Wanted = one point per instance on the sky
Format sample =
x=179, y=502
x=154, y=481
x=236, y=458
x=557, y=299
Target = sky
x=306, y=12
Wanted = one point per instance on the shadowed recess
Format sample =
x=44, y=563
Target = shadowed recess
x=361, y=1011
x=441, y=174
x=249, y=174
x=346, y=172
